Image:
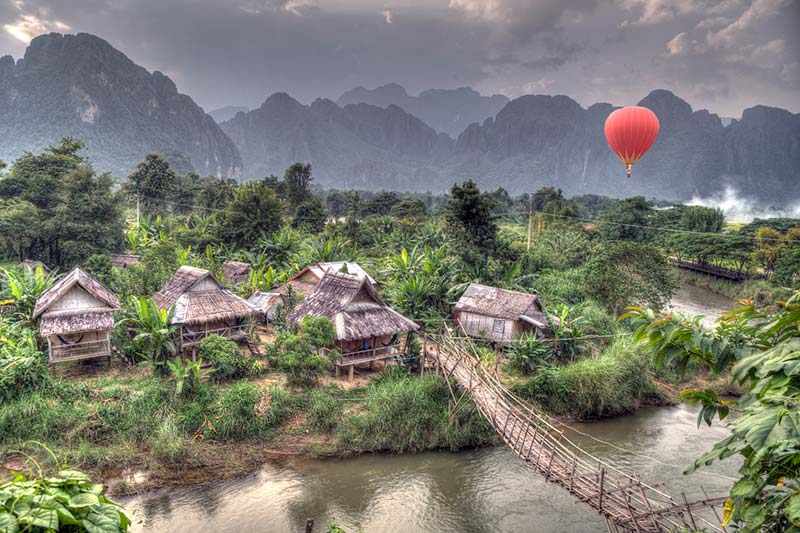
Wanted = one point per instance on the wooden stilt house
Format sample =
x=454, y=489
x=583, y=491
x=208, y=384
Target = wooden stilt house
x=366, y=328
x=77, y=315
x=203, y=307
x=499, y=315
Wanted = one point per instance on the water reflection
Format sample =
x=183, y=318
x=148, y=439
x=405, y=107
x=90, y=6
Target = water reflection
x=487, y=490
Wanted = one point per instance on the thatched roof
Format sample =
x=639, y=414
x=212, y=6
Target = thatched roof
x=354, y=307
x=76, y=321
x=199, y=298
x=502, y=303
x=236, y=271
x=30, y=263
x=124, y=260
x=86, y=282
x=305, y=281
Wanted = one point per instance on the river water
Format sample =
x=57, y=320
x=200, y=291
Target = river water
x=483, y=490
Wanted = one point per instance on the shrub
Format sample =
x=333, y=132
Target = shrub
x=66, y=501
x=169, y=442
x=303, y=367
x=323, y=410
x=224, y=356
x=614, y=383
x=235, y=414
x=23, y=367
x=405, y=413
x=318, y=331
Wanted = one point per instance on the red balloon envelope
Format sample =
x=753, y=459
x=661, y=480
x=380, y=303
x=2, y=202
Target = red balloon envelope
x=630, y=132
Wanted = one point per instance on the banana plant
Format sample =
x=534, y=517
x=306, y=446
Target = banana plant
x=25, y=286
x=153, y=340
x=186, y=374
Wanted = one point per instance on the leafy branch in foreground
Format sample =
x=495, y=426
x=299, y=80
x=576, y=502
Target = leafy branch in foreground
x=65, y=501
x=762, y=352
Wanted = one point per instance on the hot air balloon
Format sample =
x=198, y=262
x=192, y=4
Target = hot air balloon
x=630, y=132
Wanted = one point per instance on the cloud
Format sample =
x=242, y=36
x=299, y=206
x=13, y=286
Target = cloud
x=758, y=10
x=297, y=8
x=31, y=22
x=678, y=45
x=658, y=11
x=713, y=22
x=387, y=16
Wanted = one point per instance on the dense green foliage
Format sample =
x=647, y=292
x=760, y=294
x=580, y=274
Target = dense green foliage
x=64, y=501
x=614, y=383
x=762, y=351
x=224, y=356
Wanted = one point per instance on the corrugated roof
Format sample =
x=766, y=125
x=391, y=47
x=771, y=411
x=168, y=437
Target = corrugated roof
x=501, y=303
x=349, y=267
x=354, y=307
x=76, y=276
x=264, y=300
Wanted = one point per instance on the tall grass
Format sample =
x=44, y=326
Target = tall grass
x=616, y=382
x=404, y=413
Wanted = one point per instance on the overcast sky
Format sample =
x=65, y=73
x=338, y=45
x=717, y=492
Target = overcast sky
x=721, y=55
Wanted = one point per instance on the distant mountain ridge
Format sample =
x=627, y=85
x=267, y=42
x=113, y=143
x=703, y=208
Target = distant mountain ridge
x=355, y=146
x=227, y=112
x=445, y=110
x=535, y=140
x=81, y=86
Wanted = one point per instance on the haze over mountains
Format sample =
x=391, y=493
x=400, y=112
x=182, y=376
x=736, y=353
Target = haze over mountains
x=79, y=85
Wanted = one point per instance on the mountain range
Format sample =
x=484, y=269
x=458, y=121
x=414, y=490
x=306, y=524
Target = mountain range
x=79, y=85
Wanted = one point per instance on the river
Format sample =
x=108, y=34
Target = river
x=483, y=490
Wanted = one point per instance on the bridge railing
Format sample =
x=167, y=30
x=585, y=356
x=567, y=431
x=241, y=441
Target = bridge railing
x=623, y=498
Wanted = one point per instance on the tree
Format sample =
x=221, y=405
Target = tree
x=297, y=183
x=337, y=203
x=382, y=203
x=74, y=212
x=787, y=269
x=628, y=220
x=629, y=273
x=761, y=352
x=254, y=210
x=410, y=210
x=153, y=183
x=769, y=245
x=705, y=219
x=470, y=223
x=19, y=227
x=310, y=216
x=88, y=219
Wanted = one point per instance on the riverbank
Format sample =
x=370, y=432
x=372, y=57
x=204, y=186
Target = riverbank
x=133, y=432
x=763, y=294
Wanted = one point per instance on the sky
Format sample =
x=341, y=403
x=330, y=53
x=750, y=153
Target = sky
x=722, y=55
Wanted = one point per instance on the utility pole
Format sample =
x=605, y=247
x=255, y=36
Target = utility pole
x=137, y=212
x=530, y=220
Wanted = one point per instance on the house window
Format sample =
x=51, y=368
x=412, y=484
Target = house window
x=499, y=326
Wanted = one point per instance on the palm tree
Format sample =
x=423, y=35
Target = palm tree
x=153, y=340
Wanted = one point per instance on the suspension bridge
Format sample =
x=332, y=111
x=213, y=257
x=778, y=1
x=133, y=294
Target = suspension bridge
x=627, y=503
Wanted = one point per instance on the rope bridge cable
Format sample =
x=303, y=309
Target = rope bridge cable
x=621, y=498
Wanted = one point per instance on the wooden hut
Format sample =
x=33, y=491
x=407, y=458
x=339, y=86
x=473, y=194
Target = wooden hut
x=367, y=330
x=499, y=315
x=307, y=279
x=236, y=272
x=122, y=261
x=77, y=314
x=33, y=265
x=265, y=303
x=203, y=307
